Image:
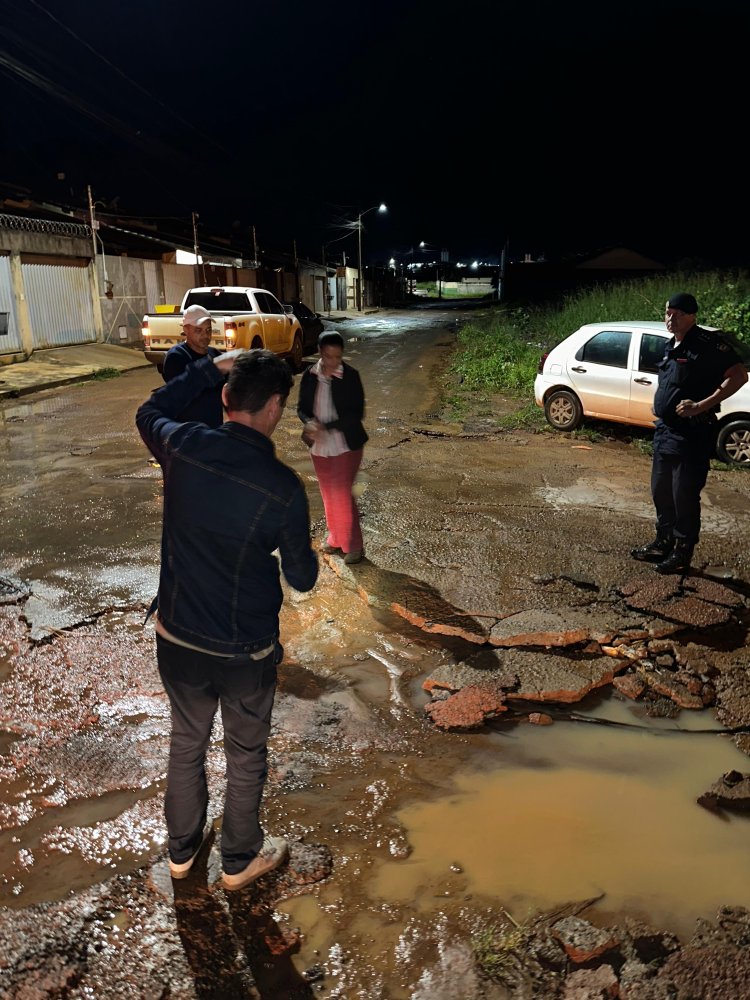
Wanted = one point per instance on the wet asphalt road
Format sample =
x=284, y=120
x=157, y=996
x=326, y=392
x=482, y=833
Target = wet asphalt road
x=477, y=518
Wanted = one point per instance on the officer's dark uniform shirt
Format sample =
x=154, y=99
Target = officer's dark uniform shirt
x=207, y=408
x=693, y=370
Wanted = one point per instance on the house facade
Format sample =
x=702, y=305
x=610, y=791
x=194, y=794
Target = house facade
x=58, y=289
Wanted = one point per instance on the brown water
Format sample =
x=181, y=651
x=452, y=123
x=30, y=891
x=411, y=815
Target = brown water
x=540, y=816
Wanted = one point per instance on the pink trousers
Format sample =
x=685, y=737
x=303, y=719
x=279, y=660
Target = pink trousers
x=336, y=477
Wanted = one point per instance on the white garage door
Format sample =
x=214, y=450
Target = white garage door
x=60, y=306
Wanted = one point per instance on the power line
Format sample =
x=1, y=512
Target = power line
x=116, y=69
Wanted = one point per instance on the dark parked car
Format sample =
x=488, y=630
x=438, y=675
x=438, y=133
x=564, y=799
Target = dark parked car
x=312, y=326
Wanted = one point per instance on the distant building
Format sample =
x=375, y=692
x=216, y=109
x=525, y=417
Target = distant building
x=538, y=280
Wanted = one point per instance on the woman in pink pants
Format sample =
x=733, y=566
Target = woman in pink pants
x=331, y=405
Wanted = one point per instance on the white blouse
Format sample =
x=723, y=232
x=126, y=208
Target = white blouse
x=329, y=442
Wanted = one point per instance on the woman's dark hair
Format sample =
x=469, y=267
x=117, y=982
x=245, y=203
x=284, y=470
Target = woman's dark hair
x=330, y=337
x=255, y=376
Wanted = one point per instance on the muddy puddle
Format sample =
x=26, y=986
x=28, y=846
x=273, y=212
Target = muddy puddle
x=573, y=814
x=529, y=818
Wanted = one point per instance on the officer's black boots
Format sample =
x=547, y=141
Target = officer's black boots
x=655, y=551
x=678, y=560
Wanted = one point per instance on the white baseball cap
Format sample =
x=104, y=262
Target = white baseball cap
x=196, y=316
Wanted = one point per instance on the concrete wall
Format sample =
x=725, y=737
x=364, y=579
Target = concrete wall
x=313, y=284
x=123, y=310
x=19, y=241
x=468, y=286
x=348, y=279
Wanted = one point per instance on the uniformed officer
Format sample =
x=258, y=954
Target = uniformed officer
x=699, y=369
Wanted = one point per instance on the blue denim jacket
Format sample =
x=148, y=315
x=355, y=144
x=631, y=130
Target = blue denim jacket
x=229, y=505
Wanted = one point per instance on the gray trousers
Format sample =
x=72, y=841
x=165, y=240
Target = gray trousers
x=197, y=684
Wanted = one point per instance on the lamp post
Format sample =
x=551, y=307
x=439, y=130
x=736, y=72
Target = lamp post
x=381, y=208
x=444, y=257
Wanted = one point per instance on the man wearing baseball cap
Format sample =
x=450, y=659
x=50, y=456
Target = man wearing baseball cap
x=699, y=370
x=196, y=325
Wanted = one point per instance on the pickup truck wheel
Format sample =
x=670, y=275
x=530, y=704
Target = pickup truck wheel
x=563, y=410
x=733, y=443
x=296, y=355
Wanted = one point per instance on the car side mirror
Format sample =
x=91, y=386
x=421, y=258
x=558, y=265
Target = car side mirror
x=288, y=310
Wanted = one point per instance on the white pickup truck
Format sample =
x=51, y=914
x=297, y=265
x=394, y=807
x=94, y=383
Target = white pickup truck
x=240, y=317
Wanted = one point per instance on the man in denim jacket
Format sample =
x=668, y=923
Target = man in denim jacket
x=229, y=506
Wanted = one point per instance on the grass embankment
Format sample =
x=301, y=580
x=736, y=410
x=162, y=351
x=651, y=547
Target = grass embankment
x=499, y=349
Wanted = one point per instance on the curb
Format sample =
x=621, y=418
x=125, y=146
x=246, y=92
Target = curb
x=56, y=381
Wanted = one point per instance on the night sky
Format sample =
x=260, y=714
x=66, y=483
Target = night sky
x=554, y=127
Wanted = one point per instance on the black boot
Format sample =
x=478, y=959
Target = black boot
x=678, y=560
x=655, y=551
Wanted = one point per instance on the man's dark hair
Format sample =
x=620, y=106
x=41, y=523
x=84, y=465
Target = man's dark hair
x=255, y=377
x=332, y=338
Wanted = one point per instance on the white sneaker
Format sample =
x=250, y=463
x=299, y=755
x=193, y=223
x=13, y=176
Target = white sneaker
x=181, y=870
x=272, y=853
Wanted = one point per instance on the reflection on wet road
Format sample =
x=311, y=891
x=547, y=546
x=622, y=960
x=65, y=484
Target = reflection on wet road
x=620, y=493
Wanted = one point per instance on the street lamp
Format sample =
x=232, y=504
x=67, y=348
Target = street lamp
x=381, y=208
x=443, y=259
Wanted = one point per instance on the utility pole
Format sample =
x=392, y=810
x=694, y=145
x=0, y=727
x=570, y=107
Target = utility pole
x=501, y=276
x=98, y=317
x=359, y=263
x=93, y=222
x=360, y=298
x=195, y=248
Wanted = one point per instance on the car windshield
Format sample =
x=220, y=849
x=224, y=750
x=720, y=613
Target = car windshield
x=220, y=301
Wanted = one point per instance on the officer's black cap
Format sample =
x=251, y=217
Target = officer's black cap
x=684, y=302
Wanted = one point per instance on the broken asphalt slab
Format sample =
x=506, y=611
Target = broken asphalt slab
x=631, y=631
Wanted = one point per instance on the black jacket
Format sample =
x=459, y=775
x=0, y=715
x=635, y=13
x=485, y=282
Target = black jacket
x=207, y=407
x=229, y=505
x=692, y=369
x=348, y=398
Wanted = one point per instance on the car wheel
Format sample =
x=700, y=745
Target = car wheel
x=563, y=411
x=295, y=358
x=733, y=442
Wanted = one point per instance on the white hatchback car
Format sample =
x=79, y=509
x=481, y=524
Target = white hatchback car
x=608, y=371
